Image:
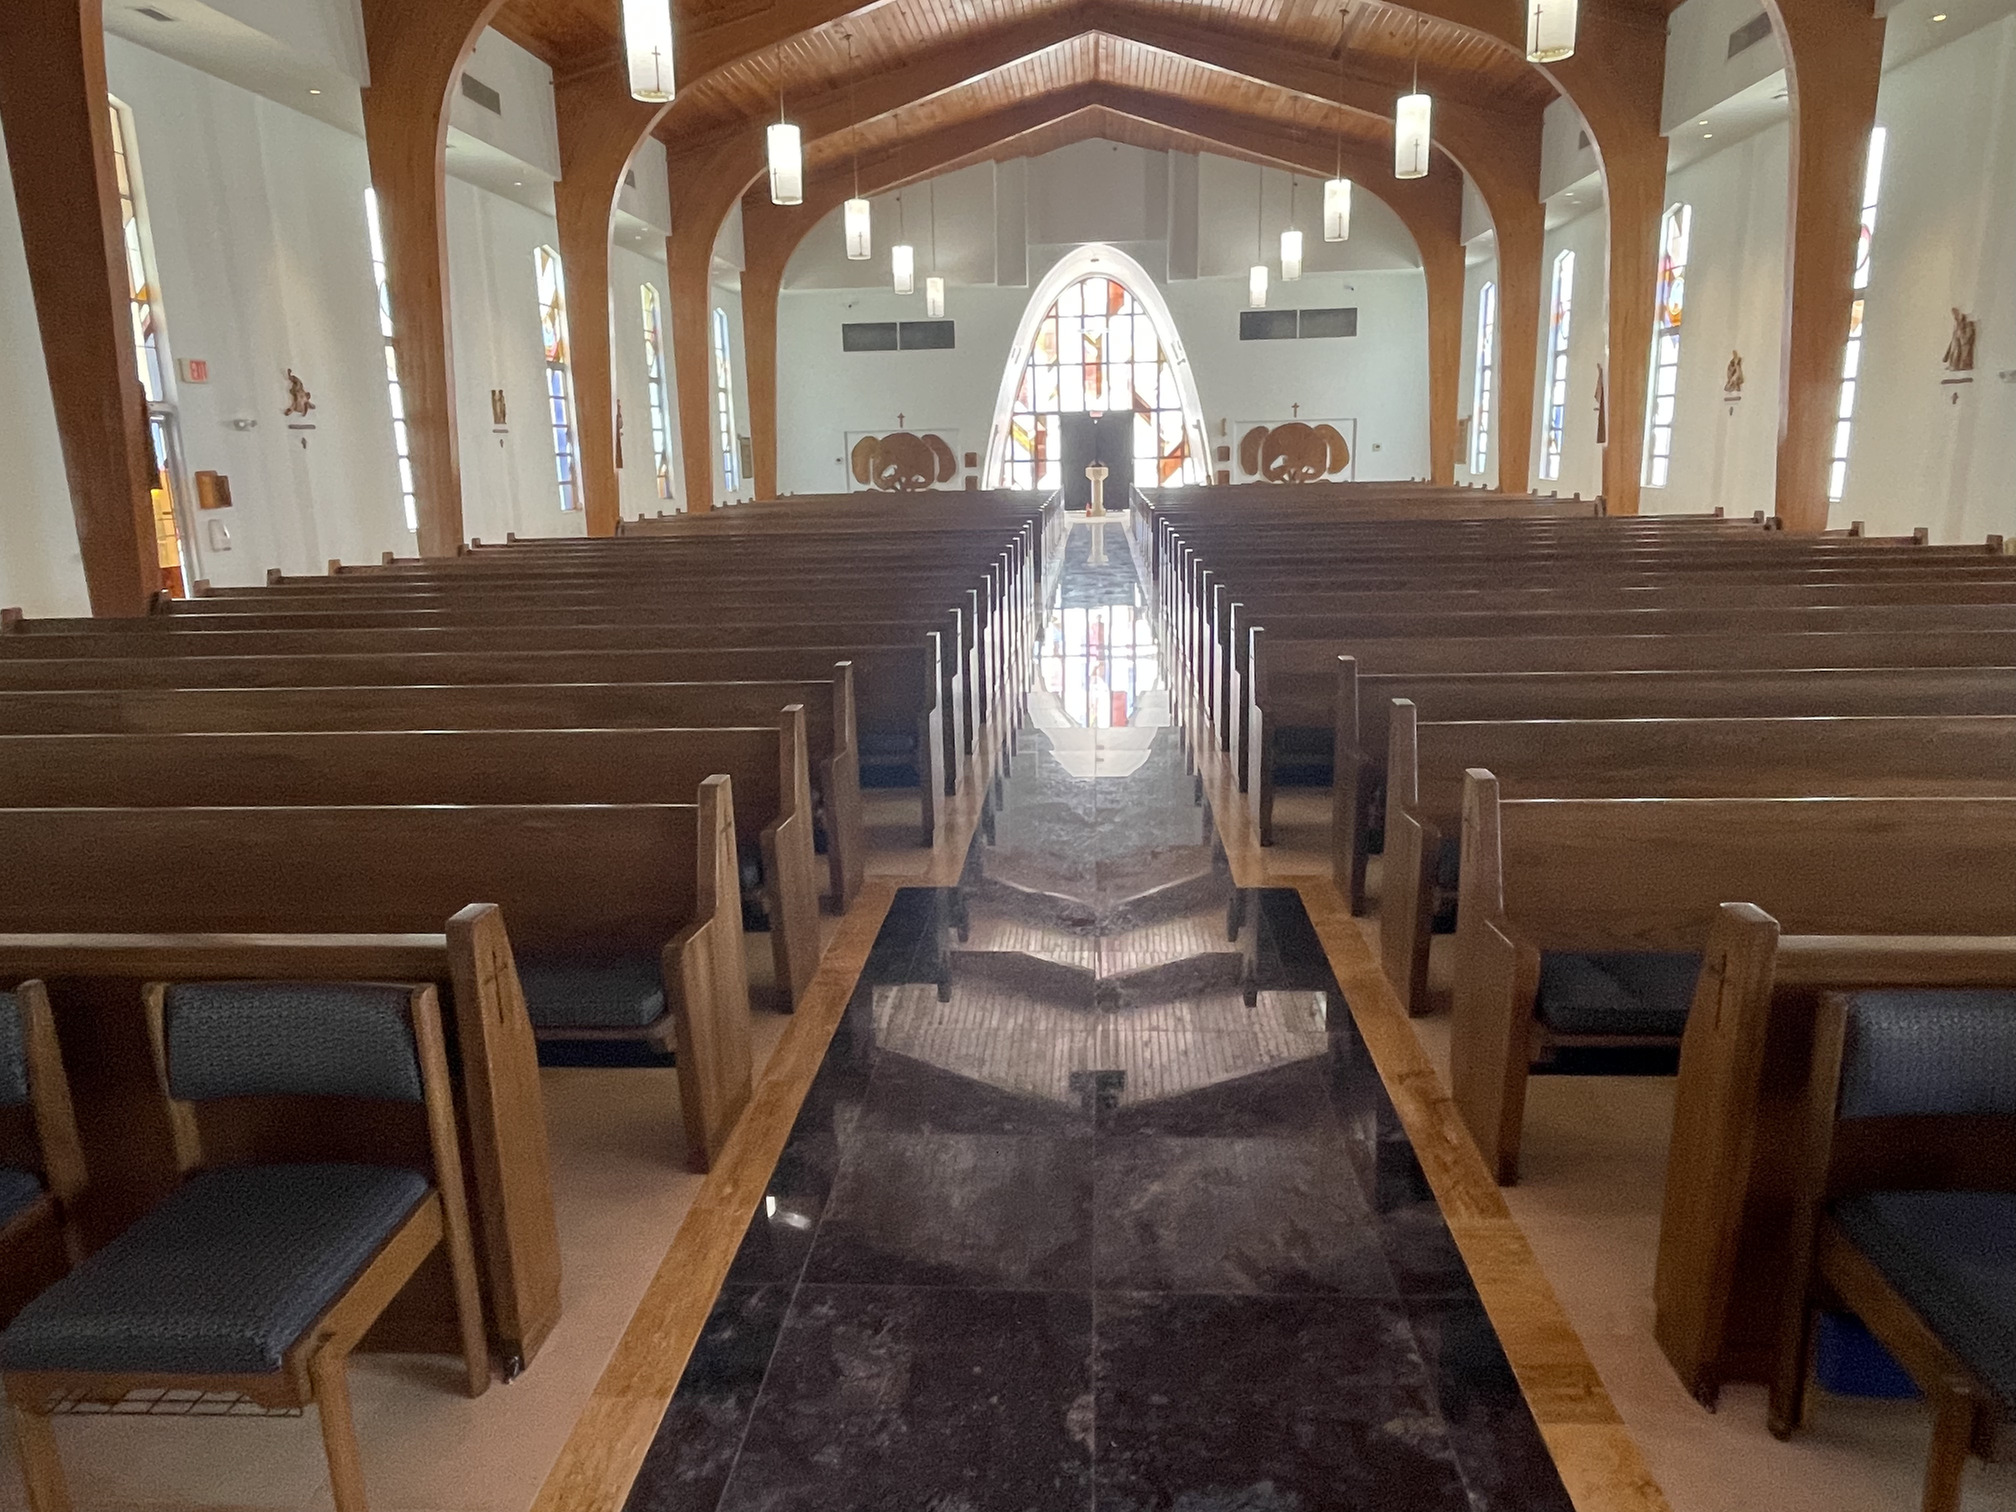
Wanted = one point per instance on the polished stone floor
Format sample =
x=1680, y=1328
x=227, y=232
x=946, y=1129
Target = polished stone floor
x=1097, y=1200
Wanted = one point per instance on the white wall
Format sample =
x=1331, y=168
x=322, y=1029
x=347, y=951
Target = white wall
x=1588, y=344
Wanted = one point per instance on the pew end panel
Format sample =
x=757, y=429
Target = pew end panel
x=1407, y=873
x=707, y=987
x=790, y=866
x=1497, y=978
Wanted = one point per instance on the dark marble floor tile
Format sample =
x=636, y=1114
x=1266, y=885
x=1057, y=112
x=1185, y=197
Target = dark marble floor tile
x=689, y=1460
x=958, y=1210
x=1291, y=1101
x=780, y=1235
x=908, y=1096
x=1266, y=1404
x=1234, y=1215
x=892, y=1399
x=1504, y=1460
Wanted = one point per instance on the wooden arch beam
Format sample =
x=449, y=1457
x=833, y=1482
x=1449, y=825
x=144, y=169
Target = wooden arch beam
x=54, y=102
x=1431, y=209
x=1833, y=69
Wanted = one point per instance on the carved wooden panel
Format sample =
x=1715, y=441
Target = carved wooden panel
x=902, y=461
x=1295, y=451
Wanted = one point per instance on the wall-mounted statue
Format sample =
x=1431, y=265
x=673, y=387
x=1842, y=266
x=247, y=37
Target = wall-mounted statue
x=1297, y=452
x=1732, y=379
x=299, y=401
x=902, y=462
x=1960, y=350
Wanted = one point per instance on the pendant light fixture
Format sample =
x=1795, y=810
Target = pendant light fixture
x=1256, y=277
x=1291, y=241
x=647, y=47
x=1411, y=117
x=903, y=257
x=1550, y=30
x=857, y=217
x=1337, y=192
x=934, y=286
x=787, y=155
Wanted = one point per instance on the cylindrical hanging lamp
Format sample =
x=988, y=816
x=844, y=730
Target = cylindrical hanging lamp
x=647, y=45
x=1291, y=255
x=934, y=297
x=1256, y=286
x=1410, y=136
x=1550, y=30
x=903, y=265
x=858, y=217
x=1337, y=210
x=787, y=164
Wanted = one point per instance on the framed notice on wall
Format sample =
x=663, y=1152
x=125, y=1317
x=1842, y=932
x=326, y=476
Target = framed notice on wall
x=902, y=461
x=1294, y=450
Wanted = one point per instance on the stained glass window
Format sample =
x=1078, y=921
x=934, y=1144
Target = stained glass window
x=1673, y=232
x=141, y=303
x=1851, y=360
x=654, y=378
x=724, y=403
x=559, y=387
x=1487, y=377
x=1098, y=349
x=1557, y=364
x=401, y=444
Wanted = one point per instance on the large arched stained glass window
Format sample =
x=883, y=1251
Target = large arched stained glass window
x=1097, y=349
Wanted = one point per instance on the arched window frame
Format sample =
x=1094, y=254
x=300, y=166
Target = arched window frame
x=1851, y=356
x=1487, y=377
x=1675, y=231
x=402, y=444
x=1100, y=260
x=657, y=387
x=1557, y=365
x=559, y=381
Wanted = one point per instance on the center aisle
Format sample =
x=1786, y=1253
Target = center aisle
x=1089, y=1204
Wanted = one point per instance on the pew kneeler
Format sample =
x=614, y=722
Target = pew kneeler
x=1912, y=1171
x=258, y=1280
x=42, y=1161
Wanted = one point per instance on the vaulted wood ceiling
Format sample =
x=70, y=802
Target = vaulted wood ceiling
x=1276, y=61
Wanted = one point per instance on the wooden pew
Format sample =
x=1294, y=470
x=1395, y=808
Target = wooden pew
x=1363, y=703
x=828, y=706
x=896, y=694
x=581, y=887
x=1727, y=1243
x=96, y=980
x=418, y=767
x=1924, y=756
x=1571, y=878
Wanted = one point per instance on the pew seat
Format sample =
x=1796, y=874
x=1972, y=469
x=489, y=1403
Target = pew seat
x=1632, y=994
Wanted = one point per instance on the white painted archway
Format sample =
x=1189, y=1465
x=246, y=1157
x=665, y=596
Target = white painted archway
x=1171, y=413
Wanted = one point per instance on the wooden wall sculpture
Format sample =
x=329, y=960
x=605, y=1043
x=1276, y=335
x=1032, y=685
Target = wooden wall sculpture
x=1297, y=452
x=902, y=462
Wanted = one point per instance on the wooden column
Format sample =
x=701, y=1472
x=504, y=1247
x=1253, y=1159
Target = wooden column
x=1442, y=267
x=1521, y=226
x=600, y=126
x=56, y=113
x=1833, y=67
x=1615, y=80
x=416, y=52
x=766, y=250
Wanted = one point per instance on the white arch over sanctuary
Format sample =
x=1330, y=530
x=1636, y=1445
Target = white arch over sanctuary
x=1173, y=414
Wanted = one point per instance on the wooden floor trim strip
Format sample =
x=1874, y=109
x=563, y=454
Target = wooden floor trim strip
x=1598, y=1459
x=610, y=1438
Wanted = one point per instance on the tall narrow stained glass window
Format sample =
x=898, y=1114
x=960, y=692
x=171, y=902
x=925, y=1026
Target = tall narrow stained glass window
x=1557, y=364
x=1487, y=377
x=1673, y=233
x=401, y=441
x=1098, y=349
x=1851, y=359
x=141, y=302
x=559, y=386
x=724, y=403
x=657, y=388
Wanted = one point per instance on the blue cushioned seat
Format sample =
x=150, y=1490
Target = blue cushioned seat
x=1930, y=1052
x=1617, y=992
x=622, y=992
x=13, y=1053
x=303, y=1039
x=19, y=1191
x=1952, y=1256
x=219, y=1279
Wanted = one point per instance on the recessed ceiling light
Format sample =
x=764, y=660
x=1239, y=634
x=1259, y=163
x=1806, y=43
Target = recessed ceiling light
x=1704, y=120
x=517, y=183
x=1706, y=135
x=314, y=91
